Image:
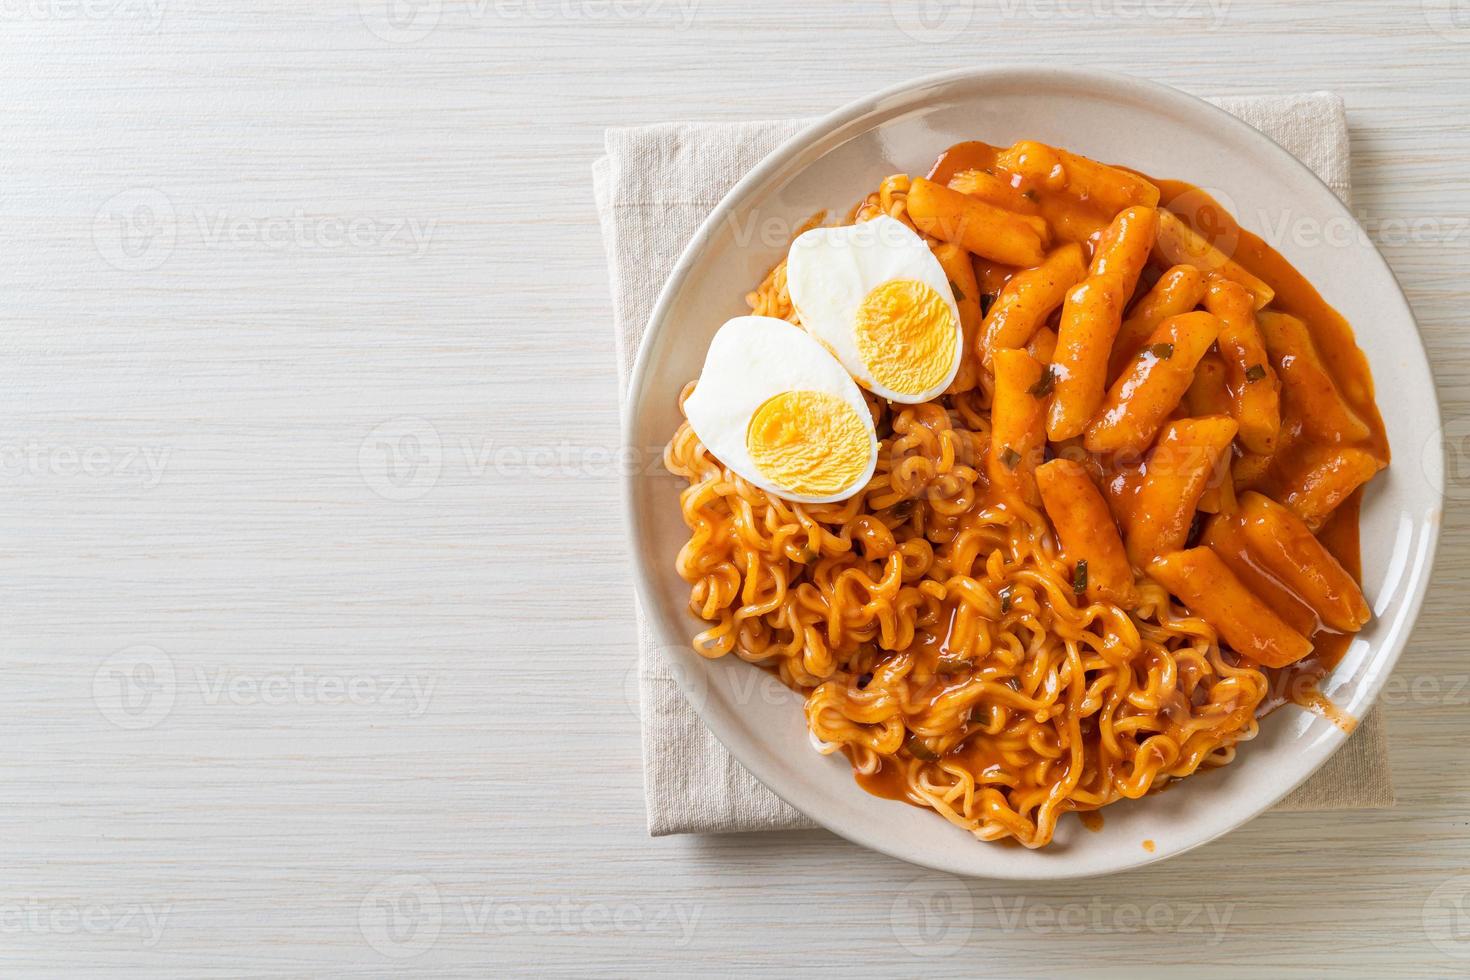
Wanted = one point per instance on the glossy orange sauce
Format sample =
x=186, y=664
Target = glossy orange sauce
x=1077, y=219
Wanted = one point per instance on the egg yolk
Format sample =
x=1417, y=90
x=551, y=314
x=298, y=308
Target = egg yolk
x=906, y=336
x=808, y=442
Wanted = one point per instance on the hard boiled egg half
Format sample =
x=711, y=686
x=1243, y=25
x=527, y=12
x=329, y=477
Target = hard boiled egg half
x=875, y=295
x=774, y=406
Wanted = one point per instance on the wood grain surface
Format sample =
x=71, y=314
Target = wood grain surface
x=317, y=614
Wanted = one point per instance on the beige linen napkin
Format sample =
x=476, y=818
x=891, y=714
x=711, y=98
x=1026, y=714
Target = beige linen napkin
x=654, y=187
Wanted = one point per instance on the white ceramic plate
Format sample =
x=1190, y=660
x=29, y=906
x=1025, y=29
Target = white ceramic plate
x=1157, y=130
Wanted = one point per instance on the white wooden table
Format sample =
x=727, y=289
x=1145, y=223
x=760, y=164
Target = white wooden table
x=316, y=611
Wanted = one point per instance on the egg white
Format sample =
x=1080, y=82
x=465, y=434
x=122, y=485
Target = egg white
x=830, y=271
x=751, y=360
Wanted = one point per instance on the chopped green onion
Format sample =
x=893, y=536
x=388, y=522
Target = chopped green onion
x=1079, y=578
x=959, y=297
x=1010, y=457
x=919, y=750
x=1043, y=387
x=1005, y=600
x=1255, y=372
x=1161, y=351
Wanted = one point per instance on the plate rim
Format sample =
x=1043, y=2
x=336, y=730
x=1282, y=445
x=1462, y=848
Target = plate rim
x=1115, y=84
